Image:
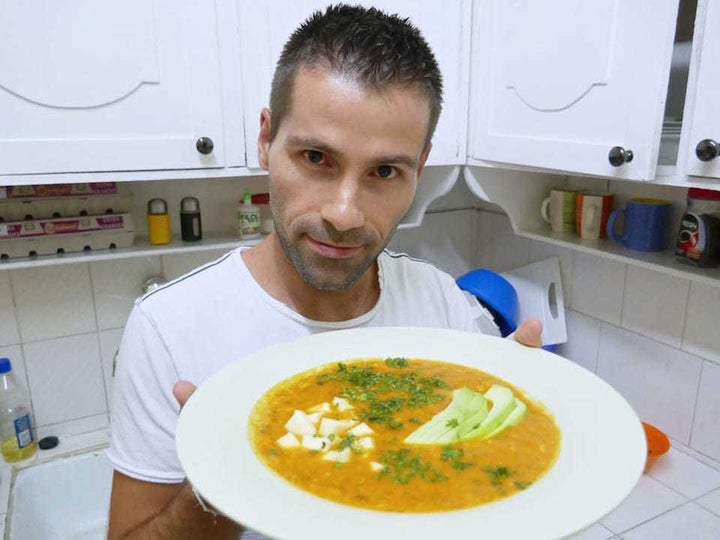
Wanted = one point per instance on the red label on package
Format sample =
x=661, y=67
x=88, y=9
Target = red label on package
x=58, y=190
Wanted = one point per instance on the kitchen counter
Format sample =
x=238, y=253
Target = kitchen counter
x=678, y=499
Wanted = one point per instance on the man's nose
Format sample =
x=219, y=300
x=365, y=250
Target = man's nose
x=342, y=206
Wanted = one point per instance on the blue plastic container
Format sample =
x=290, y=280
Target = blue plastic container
x=496, y=294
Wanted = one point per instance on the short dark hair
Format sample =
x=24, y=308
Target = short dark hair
x=379, y=50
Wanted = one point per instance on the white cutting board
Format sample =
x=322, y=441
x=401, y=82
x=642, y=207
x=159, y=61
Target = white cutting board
x=540, y=296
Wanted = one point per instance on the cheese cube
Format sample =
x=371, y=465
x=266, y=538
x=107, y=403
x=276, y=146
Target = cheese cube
x=341, y=404
x=288, y=441
x=320, y=408
x=311, y=442
x=341, y=456
x=300, y=424
x=365, y=443
x=361, y=430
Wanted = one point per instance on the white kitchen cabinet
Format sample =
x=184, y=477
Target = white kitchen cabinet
x=129, y=85
x=557, y=85
x=701, y=123
x=265, y=26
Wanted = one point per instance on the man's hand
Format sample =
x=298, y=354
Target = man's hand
x=182, y=391
x=529, y=333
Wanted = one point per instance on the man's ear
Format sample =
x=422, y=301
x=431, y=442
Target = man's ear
x=264, y=138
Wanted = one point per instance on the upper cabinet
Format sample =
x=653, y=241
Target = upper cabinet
x=571, y=86
x=113, y=86
x=700, y=144
x=265, y=26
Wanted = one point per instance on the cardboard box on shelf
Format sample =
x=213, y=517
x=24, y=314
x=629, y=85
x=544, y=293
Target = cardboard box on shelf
x=49, y=236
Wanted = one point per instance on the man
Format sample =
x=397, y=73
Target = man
x=355, y=99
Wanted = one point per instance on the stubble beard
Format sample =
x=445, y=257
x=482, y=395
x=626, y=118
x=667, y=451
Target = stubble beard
x=326, y=274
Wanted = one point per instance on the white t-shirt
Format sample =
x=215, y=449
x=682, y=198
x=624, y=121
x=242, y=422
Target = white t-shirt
x=217, y=314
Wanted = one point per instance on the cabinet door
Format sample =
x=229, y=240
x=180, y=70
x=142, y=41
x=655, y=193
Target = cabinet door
x=556, y=85
x=108, y=86
x=266, y=25
x=702, y=116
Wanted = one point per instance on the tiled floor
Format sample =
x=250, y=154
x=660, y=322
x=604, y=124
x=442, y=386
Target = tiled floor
x=679, y=499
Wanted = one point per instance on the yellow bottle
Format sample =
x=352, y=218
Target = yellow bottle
x=17, y=430
x=158, y=221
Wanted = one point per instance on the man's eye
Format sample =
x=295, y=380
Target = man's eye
x=386, y=171
x=314, y=156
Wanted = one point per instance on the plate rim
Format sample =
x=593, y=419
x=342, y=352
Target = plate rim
x=358, y=339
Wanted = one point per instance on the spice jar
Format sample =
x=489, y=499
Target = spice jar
x=158, y=221
x=698, y=241
x=190, y=224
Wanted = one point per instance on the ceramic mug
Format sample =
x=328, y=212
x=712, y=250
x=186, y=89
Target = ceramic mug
x=559, y=210
x=592, y=211
x=645, y=224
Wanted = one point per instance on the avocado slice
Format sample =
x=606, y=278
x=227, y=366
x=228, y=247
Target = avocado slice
x=465, y=403
x=513, y=419
x=503, y=403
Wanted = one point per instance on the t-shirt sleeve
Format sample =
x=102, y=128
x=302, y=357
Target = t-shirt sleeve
x=144, y=411
x=466, y=312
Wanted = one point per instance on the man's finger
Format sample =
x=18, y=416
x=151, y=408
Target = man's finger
x=182, y=391
x=529, y=333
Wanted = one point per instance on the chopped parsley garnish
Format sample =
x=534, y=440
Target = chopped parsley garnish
x=522, y=485
x=398, y=362
x=402, y=467
x=453, y=455
x=497, y=474
x=452, y=423
x=385, y=394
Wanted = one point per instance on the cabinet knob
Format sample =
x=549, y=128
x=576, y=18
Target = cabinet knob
x=204, y=145
x=707, y=150
x=619, y=156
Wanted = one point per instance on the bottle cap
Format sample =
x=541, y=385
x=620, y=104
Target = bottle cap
x=261, y=198
x=247, y=197
x=189, y=204
x=5, y=365
x=157, y=206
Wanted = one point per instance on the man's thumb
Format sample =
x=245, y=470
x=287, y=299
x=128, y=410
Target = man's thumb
x=182, y=391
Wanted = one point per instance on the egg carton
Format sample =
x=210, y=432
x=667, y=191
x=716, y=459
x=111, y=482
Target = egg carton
x=63, y=200
x=61, y=235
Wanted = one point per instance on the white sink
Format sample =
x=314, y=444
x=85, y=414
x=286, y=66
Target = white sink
x=61, y=500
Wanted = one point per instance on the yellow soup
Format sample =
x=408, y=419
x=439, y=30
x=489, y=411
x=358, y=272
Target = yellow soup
x=338, y=431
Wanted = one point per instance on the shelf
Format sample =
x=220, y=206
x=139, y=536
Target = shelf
x=658, y=261
x=140, y=248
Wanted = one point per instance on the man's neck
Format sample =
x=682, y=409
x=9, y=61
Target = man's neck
x=273, y=271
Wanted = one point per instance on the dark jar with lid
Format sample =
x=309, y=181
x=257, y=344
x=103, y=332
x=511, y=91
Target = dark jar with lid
x=698, y=241
x=190, y=223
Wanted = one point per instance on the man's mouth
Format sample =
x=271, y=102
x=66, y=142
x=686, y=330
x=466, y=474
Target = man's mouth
x=335, y=251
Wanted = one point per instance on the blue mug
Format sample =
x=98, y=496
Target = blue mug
x=646, y=224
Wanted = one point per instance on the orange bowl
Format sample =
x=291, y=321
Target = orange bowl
x=657, y=444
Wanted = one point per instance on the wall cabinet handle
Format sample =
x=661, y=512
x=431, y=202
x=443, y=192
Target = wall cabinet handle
x=707, y=150
x=619, y=156
x=205, y=145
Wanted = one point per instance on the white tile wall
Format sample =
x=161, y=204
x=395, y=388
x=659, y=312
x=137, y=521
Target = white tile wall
x=658, y=381
x=53, y=301
x=115, y=292
x=661, y=351
x=66, y=381
x=598, y=286
x=706, y=434
x=8, y=324
x=702, y=335
x=64, y=324
x=654, y=305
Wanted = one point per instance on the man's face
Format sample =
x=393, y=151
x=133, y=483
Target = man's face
x=343, y=169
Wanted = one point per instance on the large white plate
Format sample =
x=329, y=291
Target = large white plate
x=602, y=452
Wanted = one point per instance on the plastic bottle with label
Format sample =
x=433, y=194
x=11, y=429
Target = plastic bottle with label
x=248, y=218
x=17, y=429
